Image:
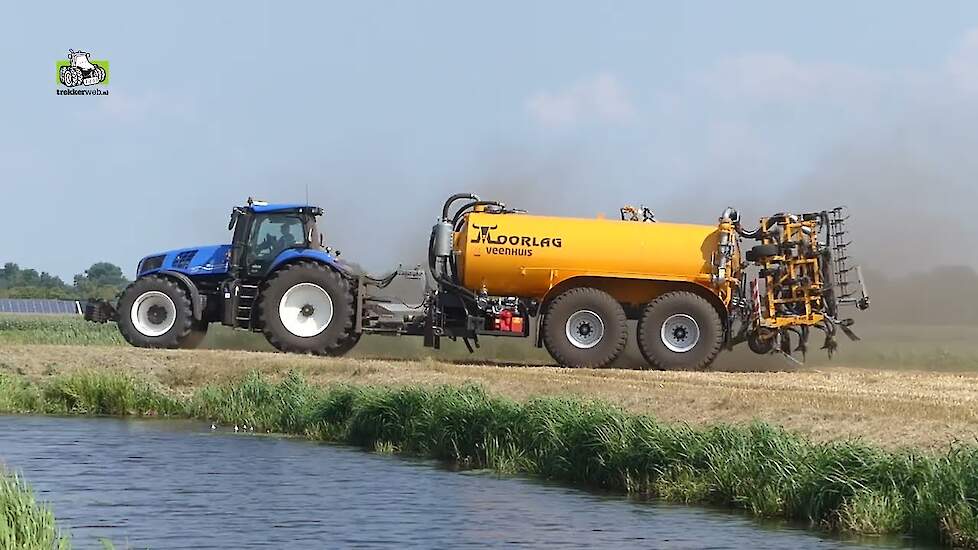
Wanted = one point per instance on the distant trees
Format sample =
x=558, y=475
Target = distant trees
x=102, y=280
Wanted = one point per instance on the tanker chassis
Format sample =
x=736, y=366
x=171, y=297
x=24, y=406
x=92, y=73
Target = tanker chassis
x=497, y=271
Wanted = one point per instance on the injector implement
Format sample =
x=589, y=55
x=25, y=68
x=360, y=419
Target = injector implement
x=572, y=284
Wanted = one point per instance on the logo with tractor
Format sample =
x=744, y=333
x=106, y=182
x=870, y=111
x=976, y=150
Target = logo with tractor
x=80, y=70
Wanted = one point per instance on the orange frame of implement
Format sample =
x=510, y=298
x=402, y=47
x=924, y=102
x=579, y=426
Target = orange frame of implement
x=800, y=284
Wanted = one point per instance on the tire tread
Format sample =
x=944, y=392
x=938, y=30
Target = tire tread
x=555, y=348
x=170, y=340
x=341, y=346
x=644, y=343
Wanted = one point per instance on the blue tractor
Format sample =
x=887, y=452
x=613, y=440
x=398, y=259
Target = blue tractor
x=275, y=277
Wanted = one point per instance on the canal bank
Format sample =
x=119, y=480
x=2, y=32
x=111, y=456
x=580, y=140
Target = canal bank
x=771, y=473
x=179, y=484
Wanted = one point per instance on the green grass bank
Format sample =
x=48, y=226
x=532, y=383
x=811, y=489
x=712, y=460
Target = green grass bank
x=845, y=486
x=26, y=524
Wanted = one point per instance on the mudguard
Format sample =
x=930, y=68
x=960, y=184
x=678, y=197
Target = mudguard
x=196, y=300
x=296, y=254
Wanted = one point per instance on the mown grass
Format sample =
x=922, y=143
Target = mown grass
x=73, y=330
x=847, y=486
x=26, y=524
x=898, y=347
x=56, y=329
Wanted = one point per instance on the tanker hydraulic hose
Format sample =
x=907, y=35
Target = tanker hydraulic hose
x=469, y=206
x=440, y=248
x=454, y=198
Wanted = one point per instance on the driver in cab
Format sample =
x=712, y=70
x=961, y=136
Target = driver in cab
x=277, y=244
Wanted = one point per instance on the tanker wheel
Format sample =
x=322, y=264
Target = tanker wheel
x=680, y=330
x=155, y=312
x=585, y=327
x=307, y=308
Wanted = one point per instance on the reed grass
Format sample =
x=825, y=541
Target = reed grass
x=843, y=485
x=26, y=524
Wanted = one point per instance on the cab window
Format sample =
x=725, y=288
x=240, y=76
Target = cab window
x=273, y=234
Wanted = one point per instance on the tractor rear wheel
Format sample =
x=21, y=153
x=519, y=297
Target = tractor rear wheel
x=345, y=345
x=585, y=328
x=155, y=312
x=680, y=330
x=307, y=308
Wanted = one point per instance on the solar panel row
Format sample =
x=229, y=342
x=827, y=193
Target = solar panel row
x=46, y=307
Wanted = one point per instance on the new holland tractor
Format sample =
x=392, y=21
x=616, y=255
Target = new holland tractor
x=275, y=277
x=494, y=271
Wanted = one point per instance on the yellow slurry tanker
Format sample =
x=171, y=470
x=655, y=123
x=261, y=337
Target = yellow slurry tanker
x=495, y=271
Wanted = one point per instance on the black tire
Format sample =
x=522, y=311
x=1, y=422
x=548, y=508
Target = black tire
x=71, y=76
x=345, y=345
x=335, y=338
x=760, y=251
x=760, y=345
x=608, y=346
x=198, y=331
x=183, y=321
x=677, y=307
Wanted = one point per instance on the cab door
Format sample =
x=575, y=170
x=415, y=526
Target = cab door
x=269, y=236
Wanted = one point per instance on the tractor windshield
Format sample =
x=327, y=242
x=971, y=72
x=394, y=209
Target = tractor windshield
x=272, y=234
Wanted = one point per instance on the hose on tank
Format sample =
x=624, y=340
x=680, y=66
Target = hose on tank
x=439, y=278
x=454, y=198
x=469, y=206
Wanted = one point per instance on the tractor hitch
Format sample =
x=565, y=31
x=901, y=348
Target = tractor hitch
x=100, y=311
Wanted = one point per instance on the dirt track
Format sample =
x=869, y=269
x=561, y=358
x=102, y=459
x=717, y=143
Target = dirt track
x=893, y=408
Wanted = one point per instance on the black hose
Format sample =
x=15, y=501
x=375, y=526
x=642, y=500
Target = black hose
x=470, y=205
x=454, y=198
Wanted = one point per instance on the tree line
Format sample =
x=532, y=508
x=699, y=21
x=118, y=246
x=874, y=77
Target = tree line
x=101, y=280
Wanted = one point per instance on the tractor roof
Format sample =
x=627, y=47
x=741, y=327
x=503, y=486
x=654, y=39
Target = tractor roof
x=285, y=207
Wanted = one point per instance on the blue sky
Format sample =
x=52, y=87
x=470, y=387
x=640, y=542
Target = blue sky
x=383, y=108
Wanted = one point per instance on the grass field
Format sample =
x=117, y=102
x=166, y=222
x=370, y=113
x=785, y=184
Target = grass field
x=889, y=408
x=952, y=348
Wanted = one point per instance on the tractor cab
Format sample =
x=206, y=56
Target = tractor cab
x=263, y=232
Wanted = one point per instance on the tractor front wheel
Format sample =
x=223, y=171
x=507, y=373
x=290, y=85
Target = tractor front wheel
x=155, y=312
x=307, y=308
